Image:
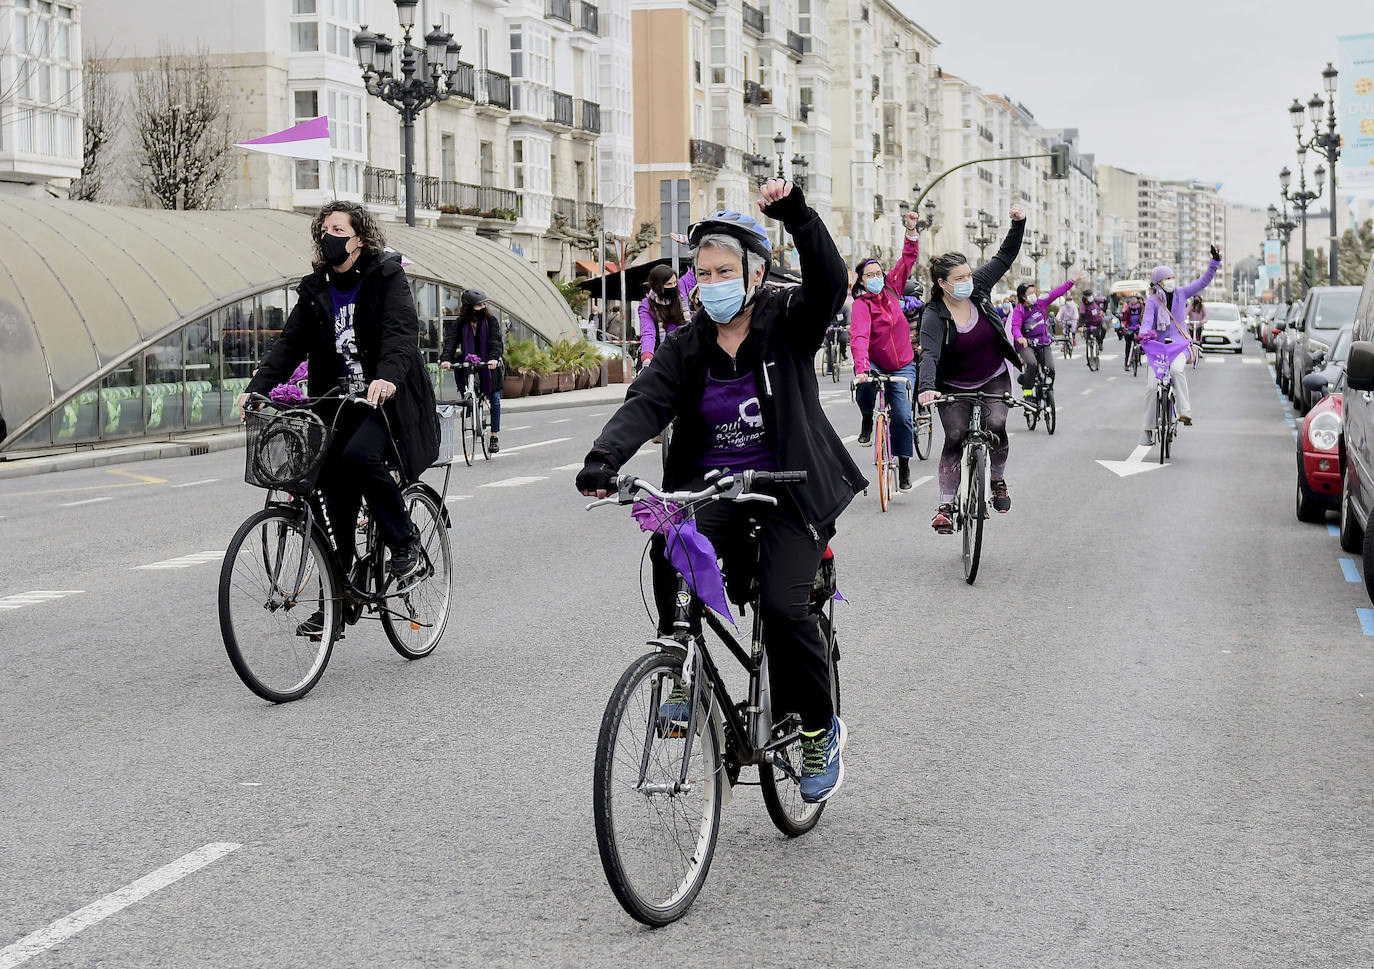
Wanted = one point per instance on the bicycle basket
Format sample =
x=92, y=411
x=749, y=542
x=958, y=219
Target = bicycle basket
x=285, y=450
x=448, y=432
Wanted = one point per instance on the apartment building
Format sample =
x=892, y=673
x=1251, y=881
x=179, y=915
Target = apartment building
x=1201, y=215
x=533, y=138
x=40, y=93
x=885, y=119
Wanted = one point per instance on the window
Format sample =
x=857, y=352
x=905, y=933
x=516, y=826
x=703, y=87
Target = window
x=306, y=105
x=346, y=122
x=302, y=6
x=486, y=162
x=517, y=158
x=307, y=174
x=804, y=17
x=448, y=161
x=305, y=36
x=517, y=57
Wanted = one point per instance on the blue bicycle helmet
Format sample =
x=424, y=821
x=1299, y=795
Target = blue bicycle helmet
x=749, y=233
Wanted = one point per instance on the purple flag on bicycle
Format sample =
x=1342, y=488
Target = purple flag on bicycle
x=690, y=552
x=1160, y=355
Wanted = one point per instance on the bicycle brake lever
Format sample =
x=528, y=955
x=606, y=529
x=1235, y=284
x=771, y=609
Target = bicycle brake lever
x=765, y=499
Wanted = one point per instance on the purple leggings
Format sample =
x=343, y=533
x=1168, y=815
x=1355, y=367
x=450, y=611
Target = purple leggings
x=955, y=417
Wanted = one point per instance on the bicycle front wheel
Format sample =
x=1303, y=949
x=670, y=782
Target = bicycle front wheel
x=483, y=426
x=1162, y=425
x=925, y=432
x=1032, y=414
x=1051, y=416
x=656, y=836
x=417, y=613
x=880, y=458
x=974, y=512
x=278, y=609
x=469, y=430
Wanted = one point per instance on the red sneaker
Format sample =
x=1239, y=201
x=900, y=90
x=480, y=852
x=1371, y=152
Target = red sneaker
x=943, y=522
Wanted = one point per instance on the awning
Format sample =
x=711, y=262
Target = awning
x=586, y=267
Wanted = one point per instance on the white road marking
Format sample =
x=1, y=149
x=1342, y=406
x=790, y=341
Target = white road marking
x=86, y=501
x=1254, y=360
x=1110, y=379
x=597, y=413
x=921, y=480
x=34, y=943
x=458, y=497
x=186, y=561
x=515, y=482
x=21, y=599
x=1087, y=392
x=576, y=466
x=523, y=447
x=1109, y=356
x=1135, y=464
x=192, y=484
x=850, y=439
x=565, y=420
x=522, y=427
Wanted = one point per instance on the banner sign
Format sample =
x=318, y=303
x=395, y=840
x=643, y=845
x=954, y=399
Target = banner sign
x=1355, y=114
x=1273, y=266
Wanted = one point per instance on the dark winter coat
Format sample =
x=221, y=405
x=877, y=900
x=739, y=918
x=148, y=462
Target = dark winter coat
x=787, y=329
x=937, y=323
x=485, y=340
x=387, y=331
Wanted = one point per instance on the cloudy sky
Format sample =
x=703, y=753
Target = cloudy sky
x=1196, y=89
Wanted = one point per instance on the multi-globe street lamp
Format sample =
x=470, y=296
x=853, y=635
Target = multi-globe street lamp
x=1301, y=199
x=980, y=233
x=1326, y=143
x=428, y=74
x=1038, y=251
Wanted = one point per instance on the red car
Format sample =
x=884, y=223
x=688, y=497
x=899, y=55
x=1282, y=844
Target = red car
x=1319, y=434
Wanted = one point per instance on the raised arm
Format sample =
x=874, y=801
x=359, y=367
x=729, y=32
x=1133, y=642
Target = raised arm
x=911, y=251
x=809, y=308
x=1054, y=294
x=1198, y=285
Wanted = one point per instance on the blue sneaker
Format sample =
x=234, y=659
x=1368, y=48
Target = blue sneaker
x=673, y=714
x=822, y=763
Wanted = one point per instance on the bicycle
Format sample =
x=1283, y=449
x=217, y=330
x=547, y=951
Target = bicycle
x=883, y=458
x=1092, y=350
x=975, y=476
x=283, y=600
x=924, y=418
x=832, y=354
x=1066, y=345
x=474, y=407
x=1161, y=355
x=1133, y=355
x=661, y=777
x=1042, y=400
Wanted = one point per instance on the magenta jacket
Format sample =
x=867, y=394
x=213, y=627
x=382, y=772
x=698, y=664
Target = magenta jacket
x=879, y=334
x=648, y=328
x=1157, y=315
x=1032, y=323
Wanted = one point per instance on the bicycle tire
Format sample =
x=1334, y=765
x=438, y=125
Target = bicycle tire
x=482, y=424
x=469, y=436
x=975, y=510
x=781, y=794
x=245, y=647
x=1032, y=415
x=1051, y=415
x=612, y=820
x=1135, y=360
x=1162, y=425
x=925, y=432
x=880, y=458
x=830, y=369
x=1092, y=352
x=419, y=600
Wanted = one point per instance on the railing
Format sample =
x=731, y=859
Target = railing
x=706, y=153
x=464, y=198
x=877, y=85
x=558, y=10
x=592, y=210
x=567, y=209
x=561, y=109
x=379, y=185
x=493, y=88
x=427, y=191
x=754, y=20
x=588, y=18
x=799, y=44
x=877, y=145
x=706, y=4
x=753, y=92
x=587, y=116
x=465, y=82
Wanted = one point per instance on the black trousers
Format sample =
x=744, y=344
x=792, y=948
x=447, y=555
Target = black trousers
x=354, y=467
x=799, y=672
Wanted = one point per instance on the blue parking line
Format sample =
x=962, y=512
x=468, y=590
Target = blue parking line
x=1333, y=530
x=1352, y=574
x=1366, y=621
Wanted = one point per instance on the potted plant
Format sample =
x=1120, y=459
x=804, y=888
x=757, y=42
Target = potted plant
x=545, y=376
x=519, y=359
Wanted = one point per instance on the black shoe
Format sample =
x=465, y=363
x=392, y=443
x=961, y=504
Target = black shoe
x=904, y=474
x=493, y=445
x=406, y=559
x=866, y=430
x=312, y=628
x=1001, y=501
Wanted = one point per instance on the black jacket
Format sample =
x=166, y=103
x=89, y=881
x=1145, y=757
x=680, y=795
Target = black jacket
x=388, y=334
x=787, y=329
x=487, y=343
x=937, y=323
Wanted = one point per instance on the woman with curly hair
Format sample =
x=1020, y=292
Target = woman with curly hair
x=355, y=322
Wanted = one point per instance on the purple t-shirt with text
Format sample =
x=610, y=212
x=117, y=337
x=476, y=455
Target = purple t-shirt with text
x=735, y=436
x=973, y=358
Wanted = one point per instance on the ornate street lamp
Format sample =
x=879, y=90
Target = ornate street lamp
x=1037, y=252
x=1328, y=144
x=428, y=74
x=759, y=167
x=779, y=142
x=799, y=167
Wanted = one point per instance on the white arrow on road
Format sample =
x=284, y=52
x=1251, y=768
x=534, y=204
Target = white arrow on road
x=1135, y=464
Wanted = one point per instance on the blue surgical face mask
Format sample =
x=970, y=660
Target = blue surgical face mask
x=874, y=285
x=722, y=301
x=963, y=290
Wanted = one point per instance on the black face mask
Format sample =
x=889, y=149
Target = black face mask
x=335, y=249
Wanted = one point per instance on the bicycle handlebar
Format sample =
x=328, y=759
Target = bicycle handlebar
x=878, y=377
x=738, y=486
x=348, y=398
x=978, y=395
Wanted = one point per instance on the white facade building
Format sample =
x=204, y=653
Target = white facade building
x=40, y=93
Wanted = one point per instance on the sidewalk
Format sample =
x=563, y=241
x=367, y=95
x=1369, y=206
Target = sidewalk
x=232, y=437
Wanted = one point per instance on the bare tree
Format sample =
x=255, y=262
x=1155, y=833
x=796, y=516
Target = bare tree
x=182, y=130
x=102, y=107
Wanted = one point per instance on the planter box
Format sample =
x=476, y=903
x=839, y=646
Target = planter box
x=545, y=383
x=566, y=380
x=513, y=386
x=603, y=376
x=616, y=371
x=528, y=377
x=584, y=378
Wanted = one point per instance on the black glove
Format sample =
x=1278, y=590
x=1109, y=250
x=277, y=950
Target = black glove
x=790, y=209
x=1216, y=254
x=596, y=476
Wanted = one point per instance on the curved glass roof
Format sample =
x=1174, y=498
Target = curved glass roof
x=84, y=286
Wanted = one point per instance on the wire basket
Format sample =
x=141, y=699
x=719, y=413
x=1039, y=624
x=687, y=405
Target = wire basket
x=285, y=450
x=448, y=432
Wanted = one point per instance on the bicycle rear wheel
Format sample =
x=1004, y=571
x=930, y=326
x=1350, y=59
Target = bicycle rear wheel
x=424, y=602
x=1092, y=353
x=1162, y=424
x=781, y=786
x=881, y=457
x=1135, y=360
x=483, y=426
x=925, y=431
x=469, y=430
x=275, y=580
x=1051, y=415
x=974, y=512
x=656, y=840
x=1032, y=413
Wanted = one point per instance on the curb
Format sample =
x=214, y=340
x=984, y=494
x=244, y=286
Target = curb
x=552, y=402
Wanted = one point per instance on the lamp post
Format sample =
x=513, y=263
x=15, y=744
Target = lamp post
x=428, y=74
x=1037, y=252
x=1283, y=227
x=1326, y=143
x=779, y=142
x=1067, y=258
x=759, y=167
x=980, y=233
x=799, y=166
x=1301, y=199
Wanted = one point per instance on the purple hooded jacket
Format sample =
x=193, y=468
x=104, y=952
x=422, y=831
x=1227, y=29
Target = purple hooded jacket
x=1032, y=323
x=648, y=330
x=1158, y=314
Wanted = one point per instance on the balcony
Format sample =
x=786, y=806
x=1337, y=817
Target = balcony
x=877, y=85
x=877, y=207
x=479, y=201
x=708, y=5
x=592, y=212
x=558, y=10
x=587, y=116
x=877, y=145
x=753, y=93
x=565, y=213
x=754, y=20
x=427, y=191
x=493, y=90
x=892, y=149
x=561, y=110
x=379, y=186
x=706, y=154
x=798, y=44
x=465, y=82
x=588, y=18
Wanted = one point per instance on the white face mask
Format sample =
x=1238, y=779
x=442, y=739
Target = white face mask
x=1168, y=285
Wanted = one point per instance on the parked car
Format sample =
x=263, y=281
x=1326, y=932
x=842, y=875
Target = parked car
x=1283, y=349
x=1356, y=447
x=1224, y=329
x=1272, y=324
x=1326, y=309
x=1319, y=466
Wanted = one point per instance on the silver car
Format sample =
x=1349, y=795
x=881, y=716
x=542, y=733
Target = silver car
x=1224, y=329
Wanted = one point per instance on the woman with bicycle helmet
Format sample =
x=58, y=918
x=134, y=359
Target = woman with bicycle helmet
x=1164, y=320
x=965, y=347
x=739, y=383
x=663, y=309
x=880, y=340
x=1030, y=331
x=355, y=322
x=477, y=333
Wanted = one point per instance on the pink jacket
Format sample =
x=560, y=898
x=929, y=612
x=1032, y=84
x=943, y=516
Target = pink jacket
x=879, y=334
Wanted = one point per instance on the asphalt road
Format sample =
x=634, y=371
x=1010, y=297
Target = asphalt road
x=1142, y=739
